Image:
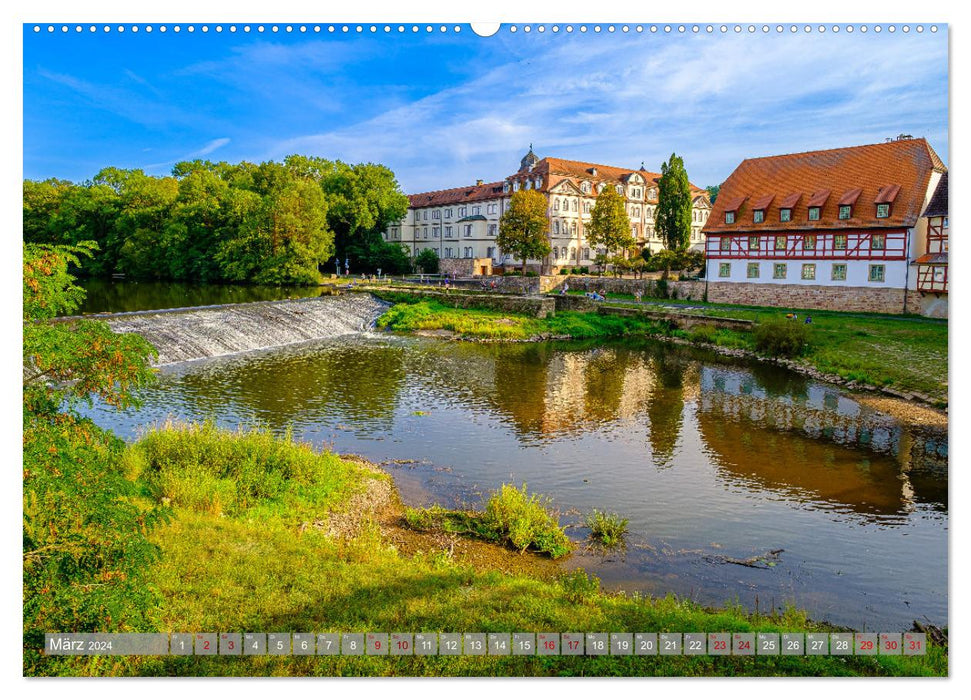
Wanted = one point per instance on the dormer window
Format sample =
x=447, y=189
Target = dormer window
x=845, y=211
x=884, y=200
x=729, y=217
x=539, y=182
x=883, y=211
x=785, y=215
x=515, y=186
x=585, y=187
x=814, y=213
x=758, y=216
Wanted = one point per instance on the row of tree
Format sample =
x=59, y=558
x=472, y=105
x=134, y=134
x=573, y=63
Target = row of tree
x=272, y=223
x=524, y=227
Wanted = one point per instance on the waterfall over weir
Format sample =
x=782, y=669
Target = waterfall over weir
x=180, y=335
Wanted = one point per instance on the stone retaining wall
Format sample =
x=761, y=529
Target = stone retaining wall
x=798, y=296
x=678, y=320
x=538, y=307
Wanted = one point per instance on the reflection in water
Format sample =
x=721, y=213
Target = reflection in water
x=703, y=455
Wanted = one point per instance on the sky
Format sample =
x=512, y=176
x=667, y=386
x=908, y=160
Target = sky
x=445, y=109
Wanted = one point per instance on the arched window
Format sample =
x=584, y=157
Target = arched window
x=556, y=253
x=573, y=228
x=573, y=253
x=556, y=226
x=585, y=187
x=574, y=205
x=556, y=204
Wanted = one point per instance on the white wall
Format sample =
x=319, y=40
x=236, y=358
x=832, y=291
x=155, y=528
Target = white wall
x=857, y=272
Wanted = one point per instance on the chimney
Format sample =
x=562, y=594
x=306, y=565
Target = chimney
x=478, y=183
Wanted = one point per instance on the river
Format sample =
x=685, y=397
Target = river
x=710, y=459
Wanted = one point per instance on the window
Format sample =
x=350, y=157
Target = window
x=883, y=211
x=753, y=270
x=753, y=243
x=878, y=241
x=492, y=229
x=725, y=270
x=468, y=230
x=620, y=189
x=586, y=253
x=940, y=272
x=653, y=194
x=515, y=186
x=476, y=211
x=573, y=228
x=839, y=241
x=839, y=272
x=729, y=217
x=845, y=210
x=448, y=213
x=556, y=204
x=876, y=273
x=448, y=231
x=809, y=271
x=758, y=216
x=781, y=242
x=573, y=253
x=785, y=215
x=779, y=271
x=650, y=215
x=725, y=243
x=574, y=205
x=586, y=207
x=426, y=232
x=463, y=211
x=585, y=187
x=436, y=231
x=539, y=182
x=814, y=213
x=436, y=214
x=809, y=242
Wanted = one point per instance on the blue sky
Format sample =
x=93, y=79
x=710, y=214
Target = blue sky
x=443, y=110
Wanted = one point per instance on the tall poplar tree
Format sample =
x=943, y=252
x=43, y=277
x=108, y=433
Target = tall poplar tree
x=673, y=216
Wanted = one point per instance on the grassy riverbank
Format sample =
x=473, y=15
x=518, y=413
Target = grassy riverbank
x=267, y=535
x=906, y=353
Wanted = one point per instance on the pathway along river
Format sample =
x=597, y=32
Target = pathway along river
x=709, y=458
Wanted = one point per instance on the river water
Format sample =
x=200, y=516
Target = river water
x=710, y=459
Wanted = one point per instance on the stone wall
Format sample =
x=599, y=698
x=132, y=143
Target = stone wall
x=678, y=320
x=688, y=289
x=927, y=304
x=465, y=267
x=799, y=296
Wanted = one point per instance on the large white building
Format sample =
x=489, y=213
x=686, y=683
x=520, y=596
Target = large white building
x=835, y=229
x=463, y=222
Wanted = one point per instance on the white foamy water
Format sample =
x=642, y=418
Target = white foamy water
x=193, y=334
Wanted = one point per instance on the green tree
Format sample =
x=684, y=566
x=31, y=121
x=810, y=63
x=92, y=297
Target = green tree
x=673, y=216
x=713, y=192
x=609, y=226
x=427, y=261
x=524, y=226
x=85, y=544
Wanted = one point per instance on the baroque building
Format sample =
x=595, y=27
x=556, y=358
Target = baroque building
x=836, y=229
x=463, y=222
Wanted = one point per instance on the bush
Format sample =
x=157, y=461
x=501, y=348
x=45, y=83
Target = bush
x=579, y=586
x=564, y=271
x=705, y=333
x=525, y=522
x=781, y=338
x=609, y=529
x=661, y=289
x=427, y=261
x=584, y=270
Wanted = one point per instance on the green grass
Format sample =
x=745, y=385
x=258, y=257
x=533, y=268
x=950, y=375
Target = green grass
x=608, y=529
x=512, y=517
x=233, y=571
x=498, y=325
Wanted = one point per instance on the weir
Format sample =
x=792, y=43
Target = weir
x=197, y=333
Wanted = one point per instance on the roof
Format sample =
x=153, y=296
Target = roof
x=474, y=217
x=456, y=195
x=896, y=171
x=938, y=204
x=554, y=170
x=931, y=259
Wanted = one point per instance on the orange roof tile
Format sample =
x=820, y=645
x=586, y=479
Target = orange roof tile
x=907, y=163
x=456, y=195
x=849, y=198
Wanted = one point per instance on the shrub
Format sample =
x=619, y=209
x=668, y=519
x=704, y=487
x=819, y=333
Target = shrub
x=524, y=521
x=564, y=271
x=584, y=270
x=609, y=529
x=579, y=586
x=427, y=261
x=705, y=333
x=781, y=338
x=661, y=289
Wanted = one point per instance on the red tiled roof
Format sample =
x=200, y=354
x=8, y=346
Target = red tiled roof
x=789, y=201
x=818, y=199
x=456, y=195
x=849, y=198
x=938, y=204
x=731, y=204
x=931, y=258
x=887, y=194
x=907, y=163
x=763, y=201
